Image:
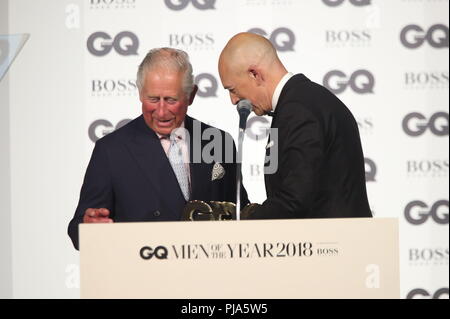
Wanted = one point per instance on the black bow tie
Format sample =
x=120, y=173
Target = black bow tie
x=270, y=113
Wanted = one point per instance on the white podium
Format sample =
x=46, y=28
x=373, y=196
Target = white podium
x=263, y=259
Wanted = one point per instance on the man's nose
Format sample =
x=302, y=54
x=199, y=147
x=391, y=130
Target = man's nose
x=161, y=109
x=234, y=98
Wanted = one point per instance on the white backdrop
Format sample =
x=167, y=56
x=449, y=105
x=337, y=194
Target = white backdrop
x=74, y=81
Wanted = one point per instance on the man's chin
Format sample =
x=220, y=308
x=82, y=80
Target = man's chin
x=258, y=111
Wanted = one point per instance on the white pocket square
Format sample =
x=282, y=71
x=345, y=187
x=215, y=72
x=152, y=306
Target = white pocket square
x=217, y=172
x=270, y=144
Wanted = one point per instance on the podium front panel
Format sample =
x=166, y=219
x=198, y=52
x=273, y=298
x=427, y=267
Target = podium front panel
x=296, y=258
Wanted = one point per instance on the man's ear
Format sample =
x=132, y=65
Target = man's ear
x=255, y=74
x=192, y=96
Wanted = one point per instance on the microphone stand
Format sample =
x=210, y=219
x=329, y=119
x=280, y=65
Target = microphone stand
x=244, y=108
x=238, y=173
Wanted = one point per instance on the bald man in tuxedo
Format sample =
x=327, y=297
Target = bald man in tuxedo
x=320, y=171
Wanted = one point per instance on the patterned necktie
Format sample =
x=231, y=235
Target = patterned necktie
x=176, y=160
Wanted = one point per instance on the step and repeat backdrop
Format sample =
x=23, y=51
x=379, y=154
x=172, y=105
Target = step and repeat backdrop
x=386, y=60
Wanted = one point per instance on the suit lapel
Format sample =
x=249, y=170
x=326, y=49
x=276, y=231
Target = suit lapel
x=200, y=172
x=146, y=148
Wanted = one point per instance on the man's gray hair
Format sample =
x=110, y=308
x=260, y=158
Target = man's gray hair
x=169, y=58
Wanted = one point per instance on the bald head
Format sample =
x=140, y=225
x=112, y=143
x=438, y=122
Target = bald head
x=247, y=49
x=249, y=68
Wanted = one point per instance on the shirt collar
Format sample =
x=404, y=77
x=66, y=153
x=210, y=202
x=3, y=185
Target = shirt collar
x=279, y=88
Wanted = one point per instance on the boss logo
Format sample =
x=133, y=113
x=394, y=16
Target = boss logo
x=357, y=3
x=415, y=124
x=177, y=5
x=360, y=81
x=111, y=86
x=272, y=2
x=426, y=78
x=428, y=167
x=207, y=85
x=371, y=170
x=422, y=293
x=345, y=36
x=112, y=2
x=124, y=43
x=417, y=212
x=428, y=255
x=283, y=39
x=413, y=36
x=196, y=40
x=365, y=125
x=159, y=252
x=100, y=128
x=256, y=170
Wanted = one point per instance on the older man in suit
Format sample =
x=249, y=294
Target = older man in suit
x=320, y=171
x=148, y=169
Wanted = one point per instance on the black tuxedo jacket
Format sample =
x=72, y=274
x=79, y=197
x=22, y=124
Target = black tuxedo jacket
x=130, y=174
x=320, y=159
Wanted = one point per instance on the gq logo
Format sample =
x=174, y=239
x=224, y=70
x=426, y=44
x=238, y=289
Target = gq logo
x=423, y=293
x=417, y=212
x=258, y=128
x=437, y=124
x=413, y=36
x=371, y=170
x=357, y=3
x=177, y=5
x=360, y=81
x=283, y=39
x=124, y=43
x=208, y=90
x=100, y=128
x=159, y=252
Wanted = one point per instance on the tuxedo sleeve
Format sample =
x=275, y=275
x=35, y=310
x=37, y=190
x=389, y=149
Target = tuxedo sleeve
x=96, y=191
x=299, y=160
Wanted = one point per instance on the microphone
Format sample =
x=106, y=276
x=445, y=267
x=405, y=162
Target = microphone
x=244, y=107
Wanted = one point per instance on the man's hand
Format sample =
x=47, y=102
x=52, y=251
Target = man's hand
x=97, y=215
x=248, y=210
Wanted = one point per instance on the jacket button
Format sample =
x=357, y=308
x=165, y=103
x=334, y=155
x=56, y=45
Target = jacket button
x=156, y=213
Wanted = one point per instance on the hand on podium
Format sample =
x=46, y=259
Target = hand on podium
x=97, y=215
x=196, y=210
x=214, y=210
x=248, y=210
